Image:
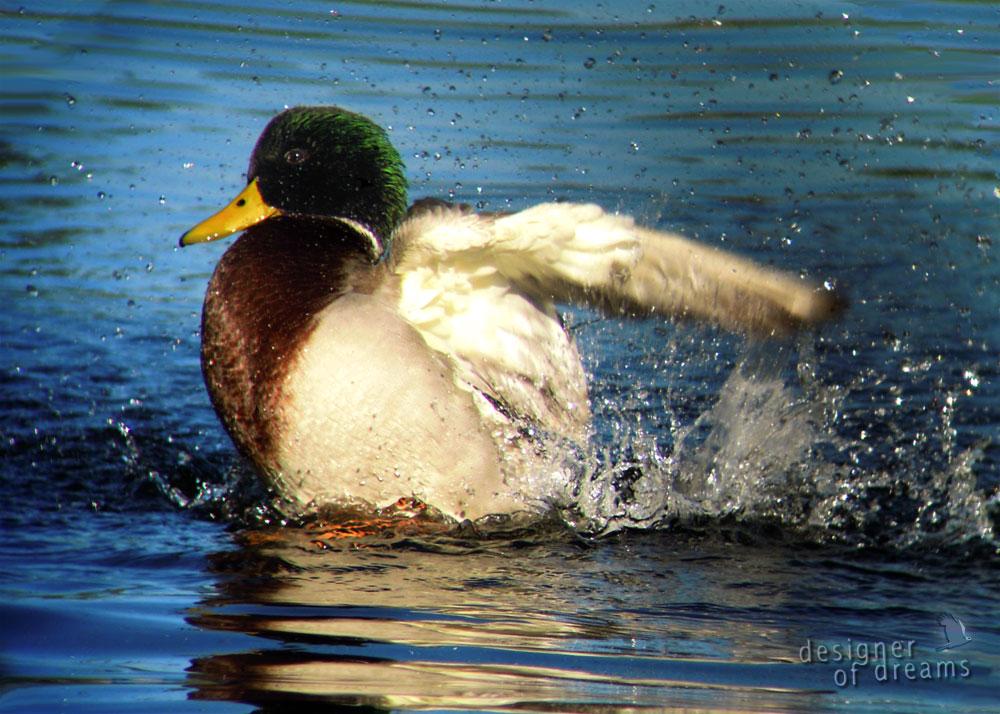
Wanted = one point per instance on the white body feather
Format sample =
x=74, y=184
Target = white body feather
x=396, y=414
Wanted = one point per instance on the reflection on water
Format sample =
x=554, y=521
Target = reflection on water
x=499, y=625
x=541, y=620
x=855, y=143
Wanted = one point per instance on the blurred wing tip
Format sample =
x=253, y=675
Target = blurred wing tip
x=808, y=311
x=827, y=304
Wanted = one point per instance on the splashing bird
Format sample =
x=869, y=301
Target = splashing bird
x=358, y=350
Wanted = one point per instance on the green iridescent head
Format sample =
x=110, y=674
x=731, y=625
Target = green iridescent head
x=317, y=162
x=327, y=161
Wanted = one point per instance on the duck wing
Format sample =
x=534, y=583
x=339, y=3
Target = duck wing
x=507, y=343
x=483, y=289
x=579, y=253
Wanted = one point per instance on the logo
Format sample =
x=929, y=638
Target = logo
x=858, y=662
x=954, y=632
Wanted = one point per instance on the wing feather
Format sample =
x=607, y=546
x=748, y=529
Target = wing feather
x=482, y=289
x=579, y=253
x=506, y=345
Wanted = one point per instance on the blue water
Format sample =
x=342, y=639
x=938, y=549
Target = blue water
x=747, y=503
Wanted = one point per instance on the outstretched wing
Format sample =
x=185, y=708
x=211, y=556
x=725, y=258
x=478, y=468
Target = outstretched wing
x=482, y=288
x=579, y=253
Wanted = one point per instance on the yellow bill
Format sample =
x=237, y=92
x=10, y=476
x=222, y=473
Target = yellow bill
x=247, y=209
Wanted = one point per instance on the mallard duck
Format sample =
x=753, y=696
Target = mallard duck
x=359, y=351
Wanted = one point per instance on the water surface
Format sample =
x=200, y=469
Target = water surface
x=745, y=501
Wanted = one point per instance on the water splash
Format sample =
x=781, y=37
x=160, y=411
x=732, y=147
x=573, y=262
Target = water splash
x=774, y=452
x=748, y=455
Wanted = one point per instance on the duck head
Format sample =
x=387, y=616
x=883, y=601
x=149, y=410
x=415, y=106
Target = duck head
x=318, y=164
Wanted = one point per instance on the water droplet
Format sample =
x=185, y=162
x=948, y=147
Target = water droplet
x=70, y=99
x=163, y=200
x=31, y=290
x=53, y=181
x=910, y=100
x=101, y=195
x=589, y=63
x=633, y=147
x=835, y=76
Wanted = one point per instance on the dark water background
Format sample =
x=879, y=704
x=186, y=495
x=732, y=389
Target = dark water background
x=755, y=499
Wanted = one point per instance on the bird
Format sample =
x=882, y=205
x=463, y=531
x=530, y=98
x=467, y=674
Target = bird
x=954, y=632
x=359, y=350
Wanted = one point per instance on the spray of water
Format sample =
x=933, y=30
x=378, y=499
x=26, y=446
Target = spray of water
x=775, y=450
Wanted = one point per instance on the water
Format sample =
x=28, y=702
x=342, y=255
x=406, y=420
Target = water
x=744, y=501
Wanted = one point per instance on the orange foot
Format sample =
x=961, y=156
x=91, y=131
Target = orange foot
x=407, y=516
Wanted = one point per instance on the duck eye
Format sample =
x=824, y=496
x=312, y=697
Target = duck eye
x=296, y=156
